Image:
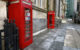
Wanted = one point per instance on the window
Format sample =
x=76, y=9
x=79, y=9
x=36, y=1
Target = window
x=34, y=2
x=41, y=3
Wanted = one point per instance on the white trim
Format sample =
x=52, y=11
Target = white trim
x=14, y=2
x=37, y=33
x=26, y=3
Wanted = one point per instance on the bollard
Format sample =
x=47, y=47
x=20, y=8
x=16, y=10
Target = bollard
x=0, y=42
x=6, y=37
x=11, y=36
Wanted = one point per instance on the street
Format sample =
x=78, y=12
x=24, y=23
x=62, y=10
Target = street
x=65, y=37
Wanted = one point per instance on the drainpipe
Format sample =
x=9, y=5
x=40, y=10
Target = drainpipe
x=54, y=6
x=47, y=5
x=59, y=9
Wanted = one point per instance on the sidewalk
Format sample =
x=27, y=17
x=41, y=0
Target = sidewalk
x=49, y=40
x=63, y=38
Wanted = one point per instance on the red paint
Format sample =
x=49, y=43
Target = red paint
x=51, y=20
x=22, y=13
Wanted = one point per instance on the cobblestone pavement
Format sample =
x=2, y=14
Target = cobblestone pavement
x=66, y=37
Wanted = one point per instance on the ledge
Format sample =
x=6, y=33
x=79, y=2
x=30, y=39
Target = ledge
x=39, y=32
x=39, y=9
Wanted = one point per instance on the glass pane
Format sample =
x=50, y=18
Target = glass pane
x=50, y=19
x=27, y=24
x=28, y=35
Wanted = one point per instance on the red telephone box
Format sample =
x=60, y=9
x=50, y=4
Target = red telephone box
x=51, y=19
x=21, y=12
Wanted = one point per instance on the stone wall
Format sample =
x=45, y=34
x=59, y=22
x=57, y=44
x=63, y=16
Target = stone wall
x=3, y=14
x=40, y=3
x=39, y=21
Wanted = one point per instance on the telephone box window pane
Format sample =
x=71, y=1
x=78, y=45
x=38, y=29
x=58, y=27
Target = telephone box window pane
x=27, y=24
x=50, y=20
x=28, y=39
x=27, y=18
x=28, y=35
x=27, y=14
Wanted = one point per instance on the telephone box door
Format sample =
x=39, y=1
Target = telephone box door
x=27, y=24
x=27, y=27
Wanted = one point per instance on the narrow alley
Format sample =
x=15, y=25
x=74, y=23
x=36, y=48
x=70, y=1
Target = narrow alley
x=66, y=37
x=39, y=24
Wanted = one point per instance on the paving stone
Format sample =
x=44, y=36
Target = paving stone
x=47, y=43
x=69, y=48
x=73, y=49
x=66, y=48
x=60, y=39
x=78, y=49
x=40, y=48
x=55, y=35
x=57, y=46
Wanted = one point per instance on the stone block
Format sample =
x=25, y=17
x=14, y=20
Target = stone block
x=59, y=39
x=57, y=46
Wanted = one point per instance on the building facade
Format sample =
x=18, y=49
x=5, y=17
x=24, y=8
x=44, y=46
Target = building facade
x=39, y=15
x=40, y=9
x=75, y=5
x=60, y=8
x=3, y=14
x=71, y=7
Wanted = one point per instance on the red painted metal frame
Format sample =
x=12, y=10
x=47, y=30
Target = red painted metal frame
x=17, y=12
x=53, y=20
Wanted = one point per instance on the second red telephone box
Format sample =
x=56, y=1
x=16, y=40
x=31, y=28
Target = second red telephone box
x=21, y=12
x=51, y=19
